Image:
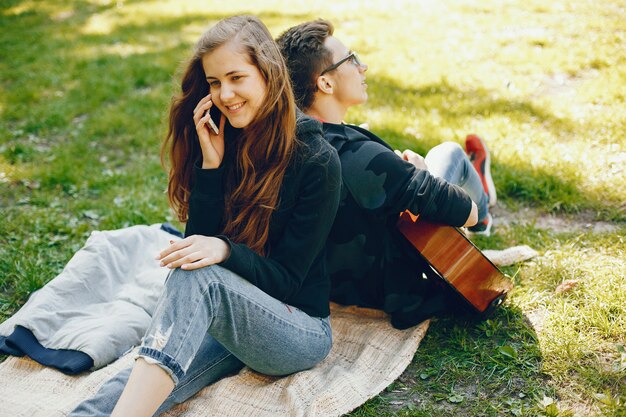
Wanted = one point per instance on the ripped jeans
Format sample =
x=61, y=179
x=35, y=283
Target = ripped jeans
x=450, y=162
x=209, y=323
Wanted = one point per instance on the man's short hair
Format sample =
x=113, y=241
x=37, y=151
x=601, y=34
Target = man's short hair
x=303, y=48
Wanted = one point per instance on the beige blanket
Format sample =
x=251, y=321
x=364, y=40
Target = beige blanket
x=368, y=354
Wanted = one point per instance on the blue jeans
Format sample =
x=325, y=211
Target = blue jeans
x=209, y=323
x=449, y=161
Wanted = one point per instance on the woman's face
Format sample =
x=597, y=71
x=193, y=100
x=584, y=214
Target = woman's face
x=237, y=87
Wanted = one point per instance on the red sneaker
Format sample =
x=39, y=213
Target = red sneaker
x=479, y=156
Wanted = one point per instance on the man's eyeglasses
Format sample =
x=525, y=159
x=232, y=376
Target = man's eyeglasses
x=351, y=57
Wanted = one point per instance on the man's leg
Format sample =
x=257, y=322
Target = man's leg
x=449, y=161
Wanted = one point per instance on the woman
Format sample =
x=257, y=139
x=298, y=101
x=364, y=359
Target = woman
x=259, y=194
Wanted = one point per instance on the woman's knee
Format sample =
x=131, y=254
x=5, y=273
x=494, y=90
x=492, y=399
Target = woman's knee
x=180, y=280
x=199, y=280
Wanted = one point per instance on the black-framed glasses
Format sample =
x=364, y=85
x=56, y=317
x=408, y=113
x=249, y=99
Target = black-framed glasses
x=352, y=56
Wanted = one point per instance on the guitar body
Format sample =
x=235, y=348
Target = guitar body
x=455, y=259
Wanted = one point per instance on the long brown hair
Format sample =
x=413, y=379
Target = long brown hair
x=260, y=152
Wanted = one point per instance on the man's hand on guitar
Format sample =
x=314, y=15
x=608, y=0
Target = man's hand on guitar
x=415, y=159
x=472, y=219
x=418, y=162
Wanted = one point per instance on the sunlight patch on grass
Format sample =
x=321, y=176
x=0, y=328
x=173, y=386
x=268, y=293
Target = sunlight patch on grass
x=19, y=9
x=144, y=13
x=99, y=25
x=6, y=171
x=579, y=328
x=11, y=172
x=125, y=49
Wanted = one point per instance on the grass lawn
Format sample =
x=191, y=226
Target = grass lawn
x=84, y=90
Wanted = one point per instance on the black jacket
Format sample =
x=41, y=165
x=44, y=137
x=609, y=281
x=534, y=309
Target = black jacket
x=294, y=271
x=370, y=263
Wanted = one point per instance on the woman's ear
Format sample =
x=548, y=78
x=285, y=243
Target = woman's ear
x=325, y=85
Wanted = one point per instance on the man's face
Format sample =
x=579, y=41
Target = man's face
x=350, y=88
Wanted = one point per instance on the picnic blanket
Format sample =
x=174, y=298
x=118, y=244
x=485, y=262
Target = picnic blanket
x=367, y=355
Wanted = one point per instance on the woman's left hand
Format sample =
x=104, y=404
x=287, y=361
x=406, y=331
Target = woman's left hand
x=194, y=252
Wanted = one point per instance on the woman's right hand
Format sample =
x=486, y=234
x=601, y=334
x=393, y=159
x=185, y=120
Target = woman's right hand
x=194, y=252
x=212, y=144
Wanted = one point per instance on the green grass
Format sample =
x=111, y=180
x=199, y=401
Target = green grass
x=568, y=348
x=84, y=90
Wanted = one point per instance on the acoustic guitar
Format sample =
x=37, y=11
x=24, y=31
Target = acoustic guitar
x=455, y=260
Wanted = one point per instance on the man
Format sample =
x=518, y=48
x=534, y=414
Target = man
x=370, y=263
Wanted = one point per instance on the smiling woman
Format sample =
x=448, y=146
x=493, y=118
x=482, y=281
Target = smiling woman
x=248, y=284
x=234, y=84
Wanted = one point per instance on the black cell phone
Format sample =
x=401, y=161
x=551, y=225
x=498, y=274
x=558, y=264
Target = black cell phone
x=215, y=117
x=214, y=112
